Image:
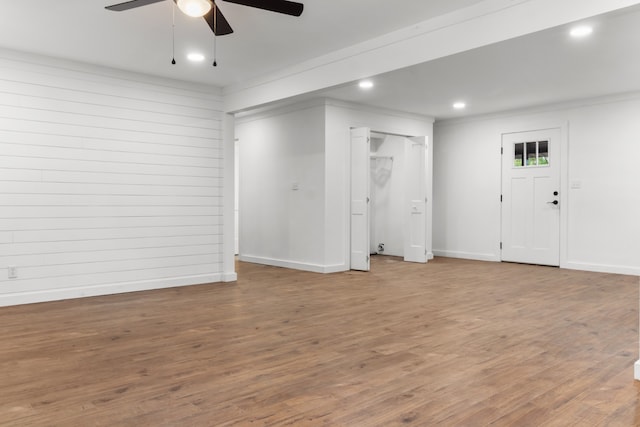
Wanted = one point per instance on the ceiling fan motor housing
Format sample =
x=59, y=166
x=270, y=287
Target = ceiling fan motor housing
x=208, y=10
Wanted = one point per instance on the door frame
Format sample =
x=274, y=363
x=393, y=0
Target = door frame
x=563, y=126
x=428, y=191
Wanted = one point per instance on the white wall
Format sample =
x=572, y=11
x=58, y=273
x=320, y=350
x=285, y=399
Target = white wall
x=279, y=151
x=109, y=181
x=307, y=144
x=600, y=150
x=387, y=194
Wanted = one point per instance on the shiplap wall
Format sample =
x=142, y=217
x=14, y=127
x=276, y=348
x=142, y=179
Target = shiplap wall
x=109, y=181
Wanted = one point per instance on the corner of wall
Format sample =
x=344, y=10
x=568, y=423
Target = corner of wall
x=228, y=235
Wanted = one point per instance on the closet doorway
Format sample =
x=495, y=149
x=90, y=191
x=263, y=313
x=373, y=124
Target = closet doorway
x=389, y=185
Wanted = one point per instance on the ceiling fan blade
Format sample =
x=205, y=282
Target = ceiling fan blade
x=280, y=6
x=130, y=5
x=220, y=26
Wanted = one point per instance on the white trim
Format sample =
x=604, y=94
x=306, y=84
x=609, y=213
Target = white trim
x=596, y=268
x=467, y=255
x=544, y=108
x=335, y=268
x=105, y=289
x=365, y=108
x=602, y=268
x=294, y=265
x=564, y=192
x=287, y=106
x=278, y=109
x=228, y=191
x=230, y=277
x=636, y=370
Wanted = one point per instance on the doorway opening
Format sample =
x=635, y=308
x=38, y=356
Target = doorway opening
x=390, y=179
x=386, y=193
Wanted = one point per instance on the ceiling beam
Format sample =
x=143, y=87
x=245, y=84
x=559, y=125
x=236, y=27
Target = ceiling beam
x=484, y=23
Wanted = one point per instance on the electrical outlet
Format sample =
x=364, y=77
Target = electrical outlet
x=13, y=272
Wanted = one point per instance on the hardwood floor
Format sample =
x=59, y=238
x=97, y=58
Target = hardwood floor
x=452, y=343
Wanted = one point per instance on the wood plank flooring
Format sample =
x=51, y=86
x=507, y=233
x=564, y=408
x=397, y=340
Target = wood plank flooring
x=451, y=343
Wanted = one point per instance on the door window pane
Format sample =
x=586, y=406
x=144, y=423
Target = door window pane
x=518, y=159
x=532, y=154
x=543, y=153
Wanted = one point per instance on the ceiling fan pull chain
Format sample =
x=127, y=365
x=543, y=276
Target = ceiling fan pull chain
x=214, y=19
x=173, y=35
x=215, y=64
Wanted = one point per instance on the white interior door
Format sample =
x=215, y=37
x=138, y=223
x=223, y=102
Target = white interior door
x=415, y=236
x=360, y=179
x=531, y=197
x=372, y=207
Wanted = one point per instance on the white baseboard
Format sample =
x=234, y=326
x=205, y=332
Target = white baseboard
x=572, y=265
x=295, y=265
x=467, y=255
x=602, y=268
x=230, y=277
x=104, y=289
x=335, y=268
x=430, y=256
x=636, y=370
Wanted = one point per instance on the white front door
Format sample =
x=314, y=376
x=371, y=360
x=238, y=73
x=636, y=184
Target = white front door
x=415, y=236
x=360, y=178
x=531, y=198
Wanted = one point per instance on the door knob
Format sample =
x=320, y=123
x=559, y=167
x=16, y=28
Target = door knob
x=555, y=202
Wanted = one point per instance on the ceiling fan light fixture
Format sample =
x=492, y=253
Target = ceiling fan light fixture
x=195, y=57
x=194, y=8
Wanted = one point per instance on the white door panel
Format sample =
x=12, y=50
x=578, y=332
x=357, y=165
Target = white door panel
x=360, y=177
x=519, y=214
x=415, y=200
x=372, y=211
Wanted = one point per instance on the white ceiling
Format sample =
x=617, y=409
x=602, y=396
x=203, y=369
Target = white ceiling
x=536, y=69
x=140, y=39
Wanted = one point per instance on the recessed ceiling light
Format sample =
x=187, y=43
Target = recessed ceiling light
x=459, y=105
x=195, y=57
x=365, y=84
x=581, y=31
